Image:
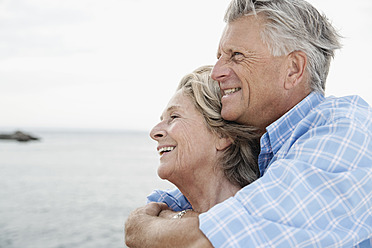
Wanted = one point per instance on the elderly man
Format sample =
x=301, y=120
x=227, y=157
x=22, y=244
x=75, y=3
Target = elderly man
x=315, y=188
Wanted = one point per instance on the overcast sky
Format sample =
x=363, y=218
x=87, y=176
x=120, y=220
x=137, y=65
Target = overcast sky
x=114, y=64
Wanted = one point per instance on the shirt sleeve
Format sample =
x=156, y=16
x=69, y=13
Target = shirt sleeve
x=317, y=192
x=173, y=198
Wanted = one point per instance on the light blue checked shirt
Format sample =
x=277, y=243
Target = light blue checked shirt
x=315, y=188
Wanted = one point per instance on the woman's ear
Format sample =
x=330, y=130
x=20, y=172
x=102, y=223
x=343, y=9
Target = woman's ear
x=223, y=143
x=297, y=61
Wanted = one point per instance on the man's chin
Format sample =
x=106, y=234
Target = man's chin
x=228, y=115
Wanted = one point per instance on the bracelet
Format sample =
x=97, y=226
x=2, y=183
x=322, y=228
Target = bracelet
x=180, y=214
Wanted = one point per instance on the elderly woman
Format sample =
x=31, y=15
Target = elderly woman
x=207, y=158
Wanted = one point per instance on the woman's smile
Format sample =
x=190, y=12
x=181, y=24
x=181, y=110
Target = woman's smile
x=165, y=149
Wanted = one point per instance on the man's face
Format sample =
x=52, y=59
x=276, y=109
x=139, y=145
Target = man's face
x=250, y=78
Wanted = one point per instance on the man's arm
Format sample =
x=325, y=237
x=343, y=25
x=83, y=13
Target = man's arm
x=317, y=191
x=153, y=226
x=173, y=198
x=314, y=194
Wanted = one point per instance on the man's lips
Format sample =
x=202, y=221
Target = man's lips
x=230, y=91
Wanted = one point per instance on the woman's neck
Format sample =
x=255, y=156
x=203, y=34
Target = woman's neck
x=203, y=192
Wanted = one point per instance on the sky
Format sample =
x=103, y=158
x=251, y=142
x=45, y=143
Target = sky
x=114, y=64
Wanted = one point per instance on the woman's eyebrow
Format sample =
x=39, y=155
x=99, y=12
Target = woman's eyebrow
x=169, y=109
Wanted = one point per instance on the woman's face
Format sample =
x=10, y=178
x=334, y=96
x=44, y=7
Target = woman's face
x=186, y=146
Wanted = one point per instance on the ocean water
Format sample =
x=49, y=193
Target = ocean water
x=74, y=189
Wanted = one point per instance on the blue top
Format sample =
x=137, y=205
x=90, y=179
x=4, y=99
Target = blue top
x=315, y=188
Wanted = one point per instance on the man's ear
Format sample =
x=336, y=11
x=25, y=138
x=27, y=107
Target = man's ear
x=297, y=61
x=223, y=143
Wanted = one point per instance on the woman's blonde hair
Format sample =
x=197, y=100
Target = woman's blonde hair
x=239, y=160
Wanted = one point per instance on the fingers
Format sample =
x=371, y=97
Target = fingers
x=155, y=208
x=137, y=228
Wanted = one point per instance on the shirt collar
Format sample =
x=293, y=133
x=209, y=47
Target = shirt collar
x=279, y=131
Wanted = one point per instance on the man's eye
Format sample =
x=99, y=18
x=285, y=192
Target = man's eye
x=174, y=117
x=237, y=54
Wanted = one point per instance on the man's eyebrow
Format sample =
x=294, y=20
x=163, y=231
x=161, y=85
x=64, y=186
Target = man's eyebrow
x=169, y=109
x=235, y=48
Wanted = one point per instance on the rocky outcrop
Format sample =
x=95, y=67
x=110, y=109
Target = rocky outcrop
x=19, y=136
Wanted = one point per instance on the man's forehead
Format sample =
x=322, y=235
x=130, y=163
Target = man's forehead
x=241, y=33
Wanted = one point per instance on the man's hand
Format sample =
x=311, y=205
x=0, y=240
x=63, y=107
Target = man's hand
x=156, y=208
x=139, y=221
x=153, y=226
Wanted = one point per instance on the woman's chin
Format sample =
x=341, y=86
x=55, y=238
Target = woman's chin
x=164, y=172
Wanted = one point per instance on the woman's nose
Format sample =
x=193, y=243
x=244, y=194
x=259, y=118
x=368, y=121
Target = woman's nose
x=157, y=132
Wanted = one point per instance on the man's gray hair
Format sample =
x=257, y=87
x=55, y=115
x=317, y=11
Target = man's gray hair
x=239, y=160
x=293, y=25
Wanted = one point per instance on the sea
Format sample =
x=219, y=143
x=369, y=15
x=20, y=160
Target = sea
x=73, y=188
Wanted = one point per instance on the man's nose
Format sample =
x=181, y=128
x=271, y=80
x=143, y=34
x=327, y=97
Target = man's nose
x=220, y=71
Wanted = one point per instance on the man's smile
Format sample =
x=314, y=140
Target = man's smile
x=231, y=91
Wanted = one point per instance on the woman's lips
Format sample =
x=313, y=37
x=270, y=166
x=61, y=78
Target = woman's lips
x=165, y=149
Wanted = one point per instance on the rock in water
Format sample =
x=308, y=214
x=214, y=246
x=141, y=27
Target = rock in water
x=19, y=136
